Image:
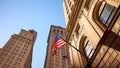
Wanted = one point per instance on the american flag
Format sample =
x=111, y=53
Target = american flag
x=58, y=43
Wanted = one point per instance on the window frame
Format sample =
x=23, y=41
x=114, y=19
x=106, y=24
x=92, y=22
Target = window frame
x=110, y=16
x=91, y=51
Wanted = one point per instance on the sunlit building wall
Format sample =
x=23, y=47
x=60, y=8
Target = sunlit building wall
x=17, y=52
x=93, y=27
x=56, y=61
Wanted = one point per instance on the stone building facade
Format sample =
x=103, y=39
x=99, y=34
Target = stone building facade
x=56, y=61
x=93, y=27
x=17, y=52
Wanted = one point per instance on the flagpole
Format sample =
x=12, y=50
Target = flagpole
x=71, y=45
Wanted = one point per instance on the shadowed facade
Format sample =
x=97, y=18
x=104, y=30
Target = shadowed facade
x=17, y=52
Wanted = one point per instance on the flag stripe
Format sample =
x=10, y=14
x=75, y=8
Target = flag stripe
x=61, y=45
x=58, y=43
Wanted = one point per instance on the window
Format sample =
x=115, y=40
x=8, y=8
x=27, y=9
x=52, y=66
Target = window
x=1, y=58
x=69, y=16
x=107, y=14
x=17, y=63
x=24, y=52
x=5, y=66
x=54, y=30
x=13, y=53
x=8, y=61
x=70, y=4
x=21, y=55
x=9, y=47
x=77, y=30
x=72, y=8
x=61, y=32
x=11, y=57
x=67, y=11
x=89, y=50
x=19, y=59
x=57, y=31
x=88, y=4
x=3, y=54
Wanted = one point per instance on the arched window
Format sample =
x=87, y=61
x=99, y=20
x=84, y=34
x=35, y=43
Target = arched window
x=103, y=14
x=107, y=14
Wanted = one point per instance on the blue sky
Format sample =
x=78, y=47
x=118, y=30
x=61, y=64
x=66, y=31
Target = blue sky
x=30, y=14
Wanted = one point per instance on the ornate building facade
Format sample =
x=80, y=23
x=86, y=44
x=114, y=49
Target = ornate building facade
x=93, y=27
x=17, y=52
x=58, y=60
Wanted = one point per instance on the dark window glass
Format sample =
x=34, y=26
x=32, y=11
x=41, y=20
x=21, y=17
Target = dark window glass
x=57, y=31
x=61, y=32
x=53, y=30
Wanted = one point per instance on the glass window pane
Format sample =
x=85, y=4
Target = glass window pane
x=113, y=13
x=91, y=53
x=106, y=14
x=103, y=14
x=87, y=47
x=88, y=50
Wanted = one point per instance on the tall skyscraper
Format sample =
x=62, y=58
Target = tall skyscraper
x=59, y=60
x=93, y=27
x=17, y=52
